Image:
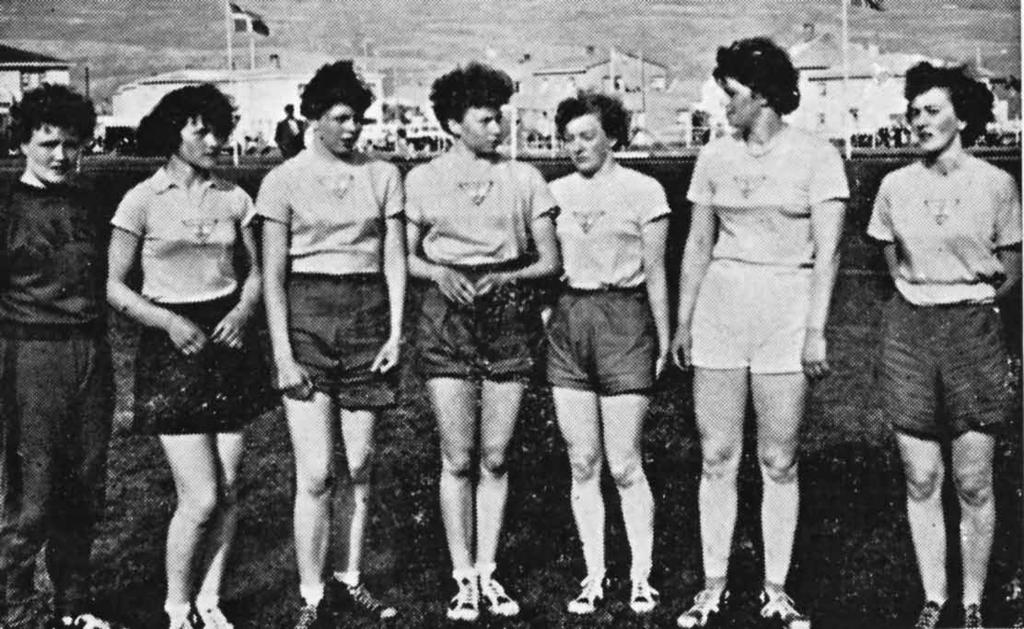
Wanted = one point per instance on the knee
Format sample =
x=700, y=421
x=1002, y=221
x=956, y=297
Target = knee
x=974, y=488
x=493, y=461
x=198, y=507
x=627, y=472
x=359, y=471
x=456, y=464
x=315, y=484
x=778, y=466
x=585, y=466
x=720, y=461
x=923, y=483
x=228, y=495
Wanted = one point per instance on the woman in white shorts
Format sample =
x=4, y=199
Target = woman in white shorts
x=608, y=335
x=757, y=277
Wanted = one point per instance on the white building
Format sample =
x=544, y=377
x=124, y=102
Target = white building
x=21, y=70
x=259, y=95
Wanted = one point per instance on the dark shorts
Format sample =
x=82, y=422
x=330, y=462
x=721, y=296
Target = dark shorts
x=944, y=369
x=337, y=325
x=219, y=389
x=602, y=341
x=493, y=338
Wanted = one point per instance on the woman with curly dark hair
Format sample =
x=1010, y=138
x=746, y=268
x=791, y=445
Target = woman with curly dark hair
x=480, y=229
x=756, y=280
x=193, y=385
x=950, y=229
x=608, y=335
x=334, y=277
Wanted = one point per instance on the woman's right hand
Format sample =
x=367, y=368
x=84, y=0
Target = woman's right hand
x=185, y=335
x=681, y=346
x=454, y=285
x=293, y=380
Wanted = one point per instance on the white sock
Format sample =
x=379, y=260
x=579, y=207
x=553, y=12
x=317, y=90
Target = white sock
x=312, y=594
x=460, y=574
x=348, y=577
x=207, y=601
x=485, y=570
x=177, y=612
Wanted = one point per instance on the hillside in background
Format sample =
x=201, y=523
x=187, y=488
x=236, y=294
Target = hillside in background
x=121, y=40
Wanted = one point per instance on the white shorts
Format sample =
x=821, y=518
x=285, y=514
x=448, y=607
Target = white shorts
x=751, y=316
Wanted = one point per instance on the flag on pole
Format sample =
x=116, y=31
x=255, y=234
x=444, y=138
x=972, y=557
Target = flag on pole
x=248, y=22
x=877, y=5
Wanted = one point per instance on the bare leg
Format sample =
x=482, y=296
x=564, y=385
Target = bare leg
x=922, y=464
x=779, y=405
x=579, y=420
x=357, y=432
x=499, y=409
x=720, y=402
x=972, y=475
x=623, y=417
x=455, y=406
x=311, y=426
x=229, y=454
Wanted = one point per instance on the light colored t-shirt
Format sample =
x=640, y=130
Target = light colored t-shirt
x=335, y=210
x=946, y=229
x=763, y=199
x=600, y=223
x=188, y=239
x=476, y=213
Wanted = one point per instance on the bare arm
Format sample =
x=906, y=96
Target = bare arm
x=229, y=330
x=826, y=229
x=1010, y=257
x=395, y=275
x=291, y=377
x=454, y=285
x=696, y=258
x=122, y=256
x=654, y=235
x=547, y=264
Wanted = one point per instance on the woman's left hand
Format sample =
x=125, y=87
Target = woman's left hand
x=814, y=355
x=490, y=282
x=387, y=357
x=230, y=330
x=660, y=364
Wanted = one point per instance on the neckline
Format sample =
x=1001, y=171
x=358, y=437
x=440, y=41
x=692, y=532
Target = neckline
x=760, y=150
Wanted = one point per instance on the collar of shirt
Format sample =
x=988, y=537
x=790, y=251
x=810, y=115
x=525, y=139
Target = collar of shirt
x=162, y=181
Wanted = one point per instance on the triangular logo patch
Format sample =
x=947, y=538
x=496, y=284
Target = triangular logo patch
x=477, y=191
x=587, y=220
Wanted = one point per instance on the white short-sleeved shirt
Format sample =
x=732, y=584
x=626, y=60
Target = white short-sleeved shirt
x=188, y=238
x=947, y=228
x=763, y=200
x=600, y=225
x=473, y=212
x=335, y=210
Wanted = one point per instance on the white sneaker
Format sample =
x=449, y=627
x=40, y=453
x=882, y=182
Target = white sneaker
x=705, y=606
x=214, y=618
x=496, y=601
x=643, y=598
x=589, y=597
x=780, y=606
x=465, y=605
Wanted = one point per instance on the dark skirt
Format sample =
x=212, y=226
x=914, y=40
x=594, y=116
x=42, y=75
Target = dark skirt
x=219, y=389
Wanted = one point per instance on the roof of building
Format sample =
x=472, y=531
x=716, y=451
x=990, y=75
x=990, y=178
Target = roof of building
x=15, y=56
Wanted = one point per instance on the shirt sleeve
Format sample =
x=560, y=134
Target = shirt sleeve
x=1008, y=213
x=394, y=192
x=130, y=214
x=654, y=203
x=702, y=189
x=880, y=224
x=828, y=177
x=542, y=202
x=272, y=201
x=415, y=197
x=245, y=208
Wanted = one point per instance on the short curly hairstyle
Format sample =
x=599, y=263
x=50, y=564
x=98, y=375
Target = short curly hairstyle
x=972, y=100
x=473, y=85
x=333, y=84
x=55, y=105
x=764, y=67
x=609, y=110
x=159, y=131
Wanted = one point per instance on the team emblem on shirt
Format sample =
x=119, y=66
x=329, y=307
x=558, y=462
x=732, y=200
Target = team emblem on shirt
x=337, y=184
x=748, y=184
x=587, y=220
x=477, y=191
x=201, y=228
x=939, y=208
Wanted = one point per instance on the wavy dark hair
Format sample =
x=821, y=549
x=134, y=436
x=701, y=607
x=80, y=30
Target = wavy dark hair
x=55, y=105
x=160, y=130
x=333, y=84
x=972, y=100
x=609, y=111
x=764, y=67
x=473, y=85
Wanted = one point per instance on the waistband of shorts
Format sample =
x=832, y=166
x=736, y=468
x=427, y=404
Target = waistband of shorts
x=490, y=267
x=765, y=268
x=52, y=331
x=639, y=290
x=346, y=278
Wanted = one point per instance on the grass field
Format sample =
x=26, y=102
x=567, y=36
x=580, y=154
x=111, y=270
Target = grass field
x=853, y=565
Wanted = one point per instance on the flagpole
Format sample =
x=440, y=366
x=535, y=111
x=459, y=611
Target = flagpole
x=252, y=49
x=228, y=28
x=847, y=149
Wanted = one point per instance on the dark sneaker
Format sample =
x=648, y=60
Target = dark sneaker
x=929, y=617
x=81, y=621
x=213, y=618
x=972, y=616
x=706, y=606
x=359, y=598
x=780, y=607
x=309, y=617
